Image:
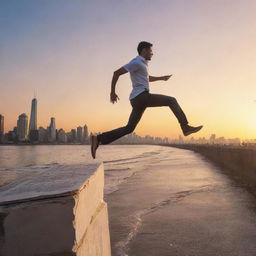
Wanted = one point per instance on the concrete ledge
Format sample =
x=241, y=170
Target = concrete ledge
x=59, y=211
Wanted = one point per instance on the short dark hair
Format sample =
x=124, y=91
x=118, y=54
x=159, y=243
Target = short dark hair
x=142, y=45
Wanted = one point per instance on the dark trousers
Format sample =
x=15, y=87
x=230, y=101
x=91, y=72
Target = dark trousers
x=139, y=104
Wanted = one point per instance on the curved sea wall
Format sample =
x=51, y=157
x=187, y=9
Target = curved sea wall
x=237, y=162
x=58, y=211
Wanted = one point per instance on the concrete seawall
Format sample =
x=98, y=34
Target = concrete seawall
x=59, y=212
x=237, y=162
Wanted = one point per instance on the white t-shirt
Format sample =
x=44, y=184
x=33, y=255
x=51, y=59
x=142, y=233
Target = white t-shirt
x=138, y=68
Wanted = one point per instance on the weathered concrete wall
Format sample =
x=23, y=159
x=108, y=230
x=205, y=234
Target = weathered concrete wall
x=59, y=211
x=237, y=162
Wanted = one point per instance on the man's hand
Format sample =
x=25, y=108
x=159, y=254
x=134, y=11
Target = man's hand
x=157, y=78
x=113, y=97
x=165, y=78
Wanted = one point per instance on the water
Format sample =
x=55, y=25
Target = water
x=162, y=201
x=119, y=160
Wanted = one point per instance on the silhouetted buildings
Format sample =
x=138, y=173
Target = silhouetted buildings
x=202, y=140
x=24, y=134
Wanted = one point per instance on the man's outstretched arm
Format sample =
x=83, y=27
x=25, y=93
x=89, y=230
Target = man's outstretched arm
x=116, y=74
x=156, y=78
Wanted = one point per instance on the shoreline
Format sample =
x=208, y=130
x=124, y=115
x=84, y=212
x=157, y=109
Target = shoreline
x=236, y=162
x=74, y=144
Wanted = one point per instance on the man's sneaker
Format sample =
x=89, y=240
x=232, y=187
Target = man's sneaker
x=94, y=144
x=187, y=129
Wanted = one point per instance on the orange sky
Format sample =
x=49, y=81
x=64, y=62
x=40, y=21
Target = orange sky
x=67, y=52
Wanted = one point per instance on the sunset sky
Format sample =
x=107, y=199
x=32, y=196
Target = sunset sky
x=67, y=51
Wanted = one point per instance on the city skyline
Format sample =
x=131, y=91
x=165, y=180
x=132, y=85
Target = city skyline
x=52, y=134
x=28, y=133
x=69, y=61
x=24, y=131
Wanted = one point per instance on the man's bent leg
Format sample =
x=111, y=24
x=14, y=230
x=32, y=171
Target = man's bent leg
x=158, y=100
x=135, y=116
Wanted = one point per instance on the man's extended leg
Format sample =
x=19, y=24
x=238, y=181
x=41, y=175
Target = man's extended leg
x=135, y=116
x=158, y=100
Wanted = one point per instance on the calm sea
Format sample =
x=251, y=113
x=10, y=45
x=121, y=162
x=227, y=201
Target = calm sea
x=18, y=161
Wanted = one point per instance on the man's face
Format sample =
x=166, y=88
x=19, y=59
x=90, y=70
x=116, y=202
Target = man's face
x=148, y=53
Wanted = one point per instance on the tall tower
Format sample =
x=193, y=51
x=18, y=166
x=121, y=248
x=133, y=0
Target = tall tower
x=1, y=124
x=1, y=128
x=33, y=132
x=33, y=116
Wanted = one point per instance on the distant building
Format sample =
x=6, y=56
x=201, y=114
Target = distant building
x=212, y=138
x=33, y=132
x=73, y=135
x=22, y=127
x=1, y=129
x=69, y=137
x=42, y=135
x=2, y=124
x=33, y=116
x=85, y=135
x=79, y=133
x=11, y=137
x=52, y=131
x=61, y=136
x=15, y=134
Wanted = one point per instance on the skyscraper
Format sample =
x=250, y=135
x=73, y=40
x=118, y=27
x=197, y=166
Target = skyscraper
x=33, y=116
x=22, y=127
x=85, y=135
x=52, y=131
x=79, y=131
x=33, y=132
x=1, y=124
x=62, y=137
x=1, y=128
x=42, y=134
x=73, y=135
